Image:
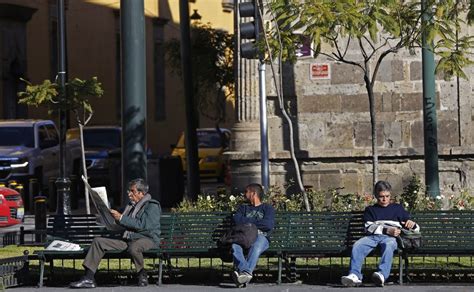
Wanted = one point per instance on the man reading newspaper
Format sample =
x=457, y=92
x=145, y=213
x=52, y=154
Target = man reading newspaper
x=141, y=221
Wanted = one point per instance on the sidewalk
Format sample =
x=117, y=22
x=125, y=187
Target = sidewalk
x=264, y=288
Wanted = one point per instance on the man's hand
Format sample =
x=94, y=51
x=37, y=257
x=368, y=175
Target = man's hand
x=409, y=224
x=115, y=214
x=393, y=231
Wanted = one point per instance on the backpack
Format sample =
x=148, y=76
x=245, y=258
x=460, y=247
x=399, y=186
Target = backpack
x=242, y=234
x=410, y=239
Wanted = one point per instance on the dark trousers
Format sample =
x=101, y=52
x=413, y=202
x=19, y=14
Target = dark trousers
x=100, y=245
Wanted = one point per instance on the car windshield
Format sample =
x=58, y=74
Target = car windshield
x=206, y=139
x=102, y=138
x=17, y=136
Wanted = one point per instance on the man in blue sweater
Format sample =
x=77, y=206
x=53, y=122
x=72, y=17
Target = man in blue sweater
x=263, y=216
x=383, y=223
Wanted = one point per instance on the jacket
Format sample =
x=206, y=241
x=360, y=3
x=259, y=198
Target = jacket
x=146, y=224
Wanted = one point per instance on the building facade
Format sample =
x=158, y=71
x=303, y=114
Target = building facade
x=329, y=108
x=28, y=50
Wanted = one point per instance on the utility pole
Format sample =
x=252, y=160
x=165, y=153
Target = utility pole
x=192, y=165
x=430, y=125
x=63, y=183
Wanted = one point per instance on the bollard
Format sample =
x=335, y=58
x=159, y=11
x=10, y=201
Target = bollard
x=52, y=194
x=12, y=184
x=40, y=218
x=33, y=191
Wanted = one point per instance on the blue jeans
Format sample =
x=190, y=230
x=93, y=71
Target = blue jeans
x=365, y=245
x=248, y=264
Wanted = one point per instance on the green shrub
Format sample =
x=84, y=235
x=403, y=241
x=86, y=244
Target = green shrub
x=413, y=198
x=465, y=201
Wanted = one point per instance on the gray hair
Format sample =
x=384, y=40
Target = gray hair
x=382, y=186
x=140, y=184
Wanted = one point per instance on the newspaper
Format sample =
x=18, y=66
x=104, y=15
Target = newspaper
x=102, y=192
x=102, y=208
x=63, y=246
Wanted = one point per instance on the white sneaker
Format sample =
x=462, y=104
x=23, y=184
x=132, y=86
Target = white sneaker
x=244, y=278
x=378, y=279
x=350, y=280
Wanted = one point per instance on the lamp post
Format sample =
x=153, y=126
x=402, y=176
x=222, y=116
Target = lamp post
x=192, y=163
x=63, y=184
x=430, y=125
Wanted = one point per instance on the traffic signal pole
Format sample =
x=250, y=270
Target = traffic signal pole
x=265, y=164
x=249, y=50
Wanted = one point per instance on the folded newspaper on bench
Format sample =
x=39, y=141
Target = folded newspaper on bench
x=102, y=206
x=63, y=246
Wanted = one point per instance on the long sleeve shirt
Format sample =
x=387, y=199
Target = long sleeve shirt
x=378, y=219
x=263, y=216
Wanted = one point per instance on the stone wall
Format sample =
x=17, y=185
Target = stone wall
x=333, y=134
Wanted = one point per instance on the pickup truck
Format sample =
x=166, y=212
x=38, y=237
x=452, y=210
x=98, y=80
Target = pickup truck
x=30, y=149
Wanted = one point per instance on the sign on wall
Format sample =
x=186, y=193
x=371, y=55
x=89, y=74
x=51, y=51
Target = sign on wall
x=319, y=71
x=304, y=47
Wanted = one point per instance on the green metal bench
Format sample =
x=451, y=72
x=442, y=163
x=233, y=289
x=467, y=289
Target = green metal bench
x=82, y=229
x=444, y=233
x=197, y=234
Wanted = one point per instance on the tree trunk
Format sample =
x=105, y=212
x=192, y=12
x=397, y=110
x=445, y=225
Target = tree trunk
x=84, y=167
x=373, y=125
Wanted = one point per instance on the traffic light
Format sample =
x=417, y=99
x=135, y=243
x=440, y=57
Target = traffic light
x=249, y=31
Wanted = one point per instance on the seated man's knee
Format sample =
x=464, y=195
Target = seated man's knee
x=134, y=250
x=96, y=240
x=390, y=243
x=261, y=244
x=358, y=244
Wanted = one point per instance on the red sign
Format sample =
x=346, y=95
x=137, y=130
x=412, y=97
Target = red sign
x=318, y=71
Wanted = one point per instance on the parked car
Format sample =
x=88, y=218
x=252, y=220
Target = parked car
x=11, y=207
x=212, y=143
x=30, y=149
x=102, y=152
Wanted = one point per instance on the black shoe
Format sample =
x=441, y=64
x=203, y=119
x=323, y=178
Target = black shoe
x=142, y=280
x=83, y=283
x=235, y=276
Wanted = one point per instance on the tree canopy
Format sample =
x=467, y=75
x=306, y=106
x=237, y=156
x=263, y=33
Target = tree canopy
x=212, y=66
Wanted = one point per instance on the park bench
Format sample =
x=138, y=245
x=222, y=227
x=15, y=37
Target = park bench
x=296, y=235
x=81, y=229
x=444, y=233
x=196, y=235
x=324, y=235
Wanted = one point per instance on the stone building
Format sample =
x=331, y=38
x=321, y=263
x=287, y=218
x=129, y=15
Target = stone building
x=331, y=119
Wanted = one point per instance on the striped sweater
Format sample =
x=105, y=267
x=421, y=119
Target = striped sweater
x=377, y=218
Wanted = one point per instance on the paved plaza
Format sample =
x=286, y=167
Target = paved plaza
x=265, y=288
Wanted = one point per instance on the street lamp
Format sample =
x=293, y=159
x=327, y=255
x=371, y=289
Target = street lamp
x=195, y=16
